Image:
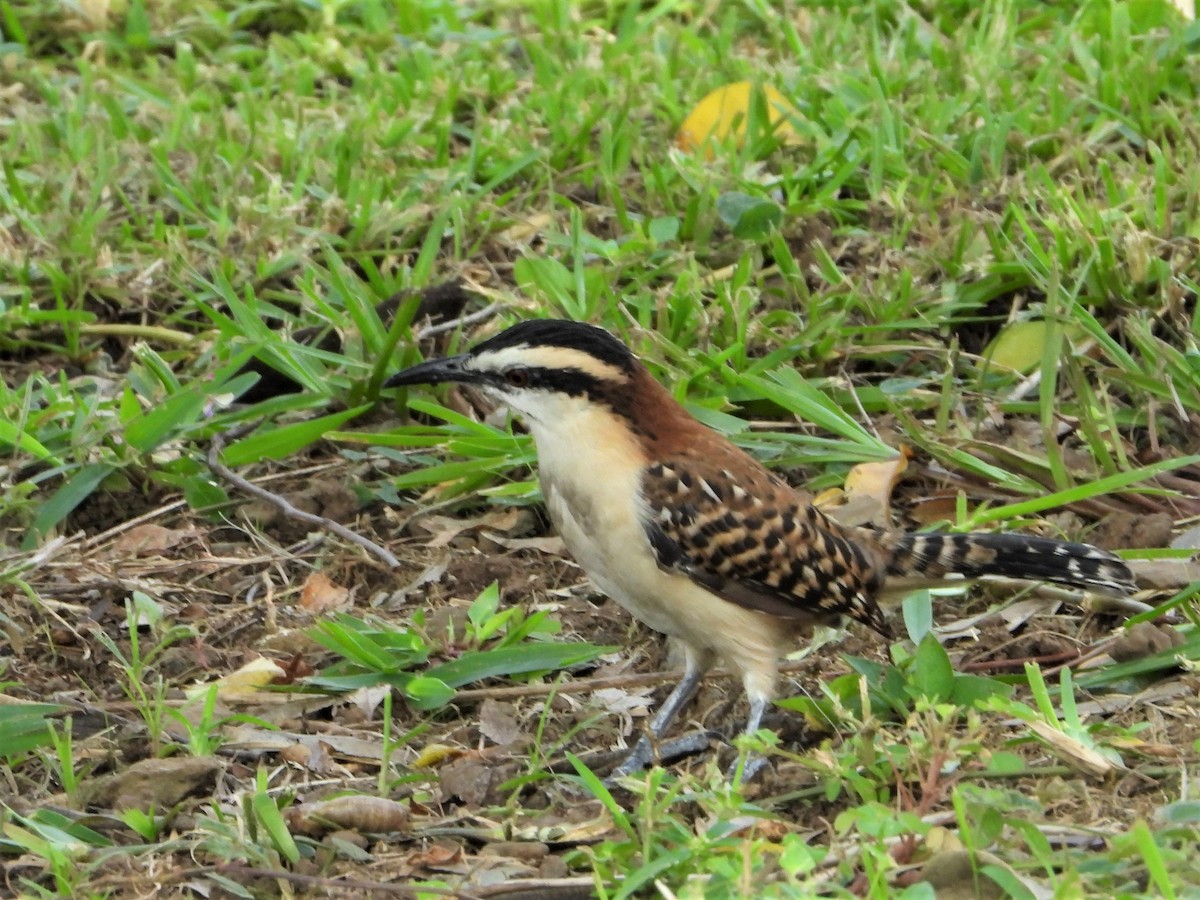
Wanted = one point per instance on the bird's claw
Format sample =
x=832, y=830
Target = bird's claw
x=644, y=753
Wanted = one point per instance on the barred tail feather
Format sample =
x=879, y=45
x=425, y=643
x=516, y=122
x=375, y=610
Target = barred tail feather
x=925, y=556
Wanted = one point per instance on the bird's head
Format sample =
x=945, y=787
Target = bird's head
x=544, y=368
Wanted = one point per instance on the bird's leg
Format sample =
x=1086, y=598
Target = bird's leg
x=758, y=706
x=755, y=762
x=643, y=752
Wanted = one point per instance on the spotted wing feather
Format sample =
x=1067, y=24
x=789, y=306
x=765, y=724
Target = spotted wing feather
x=751, y=540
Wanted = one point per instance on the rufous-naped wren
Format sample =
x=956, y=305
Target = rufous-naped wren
x=694, y=536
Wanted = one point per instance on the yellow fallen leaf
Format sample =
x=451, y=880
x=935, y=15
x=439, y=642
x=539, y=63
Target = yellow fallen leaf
x=829, y=498
x=723, y=114
x=435, y=755
x=242, y=685
x=873, y=482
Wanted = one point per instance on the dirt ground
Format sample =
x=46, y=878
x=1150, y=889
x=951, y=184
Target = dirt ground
x=478, y=804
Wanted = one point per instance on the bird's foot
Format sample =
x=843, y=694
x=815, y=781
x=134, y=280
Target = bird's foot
x=753, y=765
x=644, y=752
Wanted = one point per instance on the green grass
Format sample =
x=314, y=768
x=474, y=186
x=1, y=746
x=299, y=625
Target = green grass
x=186, y=184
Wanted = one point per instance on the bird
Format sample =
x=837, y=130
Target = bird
x=694, y=536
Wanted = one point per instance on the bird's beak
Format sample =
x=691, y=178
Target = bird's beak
x=433, y=371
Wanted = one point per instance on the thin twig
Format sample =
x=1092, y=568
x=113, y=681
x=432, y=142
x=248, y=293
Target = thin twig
x=223, y=471
x=121, y=527
x=479, y=315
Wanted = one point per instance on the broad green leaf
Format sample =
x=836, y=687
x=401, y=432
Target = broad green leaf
x=972, y=689
x=932, y=673
x=23, y=727
x=425, y=692
x=281, y=442
x=155, y=425
x=750, y=218
x=1018, y=346
x=480, y=664
x=77, y=489
x=918, y=615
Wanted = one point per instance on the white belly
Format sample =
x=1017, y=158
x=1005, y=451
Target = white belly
x=600, y=523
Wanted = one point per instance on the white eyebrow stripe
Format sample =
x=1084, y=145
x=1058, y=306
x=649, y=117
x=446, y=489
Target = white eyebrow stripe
x=549, y=358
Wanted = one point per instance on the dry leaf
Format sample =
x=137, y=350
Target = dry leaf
x=935, y=509
x=498, y=724
x=470, y=780
x=1187, y=540
x=1072, y=751
x=343, y=746
x=313, y=755
x=296, y=754
x=512, y=522
x=356, y=812
x=723, y=113
x=434, y=755
x=367, y=699
x=528, y=228
x=150, y=539
x=319, y=594
x=437, y=856
x=875, y=481
x=242, y=685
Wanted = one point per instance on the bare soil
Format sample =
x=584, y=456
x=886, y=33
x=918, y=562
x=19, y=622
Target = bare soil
x=479, y=803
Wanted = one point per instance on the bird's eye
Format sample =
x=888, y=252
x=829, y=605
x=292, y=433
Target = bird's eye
x=517, y=378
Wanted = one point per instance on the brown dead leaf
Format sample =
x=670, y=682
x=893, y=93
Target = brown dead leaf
x=437, y=856
x=316, y=756
x=319, y=594
x=294, y=669
x=356, y=812
x=551, y=545
x=941, y=507
x=296, y=754
x=150, y=539
x=498, y=724
x=524, y=231
x=345, y=747
x=470, y=780
x=1165, y=574
x=529, y=851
